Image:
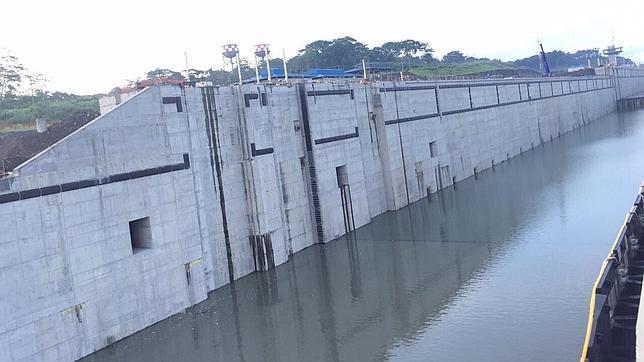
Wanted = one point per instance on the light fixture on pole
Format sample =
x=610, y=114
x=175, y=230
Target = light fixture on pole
x=364, y=70
x=239, y=69
x=231, y=51
x=284, y=61
x=185, y=55
x=256, y=70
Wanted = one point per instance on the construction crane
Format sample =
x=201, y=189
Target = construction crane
x=544, y=61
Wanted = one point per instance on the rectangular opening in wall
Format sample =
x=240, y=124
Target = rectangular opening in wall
x=341, y=174
x=433, y=149
x=140, y=234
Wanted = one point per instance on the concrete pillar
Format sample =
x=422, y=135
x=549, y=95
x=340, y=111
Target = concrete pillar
x=41, y=125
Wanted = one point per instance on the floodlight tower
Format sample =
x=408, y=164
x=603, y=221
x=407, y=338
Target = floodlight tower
x=231, y=51
x=262, y=51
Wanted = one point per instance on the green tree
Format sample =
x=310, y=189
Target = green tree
x=11, y=72
x=407, y=49
x=162, y=73
x=380, y=54
x=454, y=57
x=36, y=82
x=341, y=53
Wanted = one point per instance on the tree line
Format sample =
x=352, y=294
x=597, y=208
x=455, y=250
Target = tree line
x=341, y=53
x=23, y=97
x=22, y=89
x=16, y=78
x=406, y=55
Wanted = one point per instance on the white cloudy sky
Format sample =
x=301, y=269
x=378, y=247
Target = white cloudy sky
x=91, y=46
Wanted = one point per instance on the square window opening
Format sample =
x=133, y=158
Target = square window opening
x=140, y=234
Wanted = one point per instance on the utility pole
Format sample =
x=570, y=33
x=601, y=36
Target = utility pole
x=185, y=56
x=239, y=69
x=256, y=70
x=284, y=61
x=364, y=70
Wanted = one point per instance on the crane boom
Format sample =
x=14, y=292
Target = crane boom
x=546, y=67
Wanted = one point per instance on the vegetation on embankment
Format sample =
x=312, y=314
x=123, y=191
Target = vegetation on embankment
x=11, y=127
x=51, y=106
x=459, y=69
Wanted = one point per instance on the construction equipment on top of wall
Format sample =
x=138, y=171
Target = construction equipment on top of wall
x=543, y=61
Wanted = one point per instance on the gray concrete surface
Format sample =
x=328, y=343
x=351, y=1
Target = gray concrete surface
x=235, y=180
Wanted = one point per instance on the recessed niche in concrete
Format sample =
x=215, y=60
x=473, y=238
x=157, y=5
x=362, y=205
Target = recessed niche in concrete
x=433, y=149
x=140, y=234
x=343, y=177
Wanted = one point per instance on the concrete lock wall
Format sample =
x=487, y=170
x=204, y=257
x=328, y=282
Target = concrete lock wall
x=629, y=81
x=177, y=191
x=71, y=281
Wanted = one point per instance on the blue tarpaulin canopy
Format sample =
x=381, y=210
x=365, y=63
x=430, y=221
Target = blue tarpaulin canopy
x=325, y=73
x=316, y=73
x=371, y=68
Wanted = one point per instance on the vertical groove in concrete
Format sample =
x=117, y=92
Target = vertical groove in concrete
x=311, y=162
x=211, y=125
x=402, y=148
x=204, y=249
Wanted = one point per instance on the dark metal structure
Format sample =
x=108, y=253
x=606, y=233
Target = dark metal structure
x=631, y=103
x=546, y=67
x=614, y=302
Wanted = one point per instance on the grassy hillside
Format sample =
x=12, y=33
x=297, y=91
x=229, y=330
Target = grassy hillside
x=10, y=127
x=469, y=68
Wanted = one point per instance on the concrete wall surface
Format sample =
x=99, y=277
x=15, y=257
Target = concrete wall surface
x=176, y=191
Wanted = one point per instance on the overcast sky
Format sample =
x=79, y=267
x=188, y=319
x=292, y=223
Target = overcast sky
x=91, y=46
